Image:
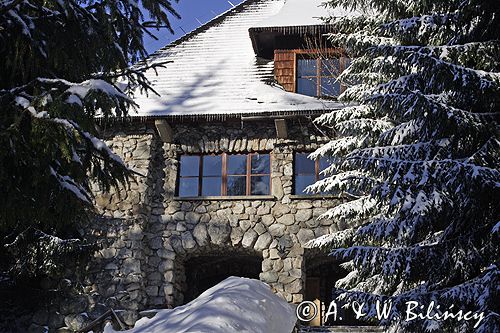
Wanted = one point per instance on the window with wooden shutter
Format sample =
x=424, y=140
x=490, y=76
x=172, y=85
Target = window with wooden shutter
x=311, y=72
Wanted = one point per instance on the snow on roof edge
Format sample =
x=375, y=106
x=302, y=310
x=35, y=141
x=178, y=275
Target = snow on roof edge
x=197, y=94
x=300, y=13
x=201, y=28
x=221, y=116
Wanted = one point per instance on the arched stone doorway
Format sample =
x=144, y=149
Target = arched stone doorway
x=207, y=266
x=204, y=272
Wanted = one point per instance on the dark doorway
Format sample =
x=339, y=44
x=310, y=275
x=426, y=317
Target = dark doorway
x=204, y=272
x=321, y=274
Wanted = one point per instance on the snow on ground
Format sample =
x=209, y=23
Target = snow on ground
x=234, y=305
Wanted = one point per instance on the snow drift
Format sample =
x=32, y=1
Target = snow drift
x=234, y=305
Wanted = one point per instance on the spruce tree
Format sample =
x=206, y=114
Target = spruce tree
x=417, y=151
x=61, y=64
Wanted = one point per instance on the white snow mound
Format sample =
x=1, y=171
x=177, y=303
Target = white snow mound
x=234, y=305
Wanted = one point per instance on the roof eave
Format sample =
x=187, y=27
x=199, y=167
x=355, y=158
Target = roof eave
x=262, y=37
x=220, y=116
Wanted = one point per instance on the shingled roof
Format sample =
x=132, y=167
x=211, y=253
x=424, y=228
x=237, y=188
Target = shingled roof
x=303, y=13
x=215, y=72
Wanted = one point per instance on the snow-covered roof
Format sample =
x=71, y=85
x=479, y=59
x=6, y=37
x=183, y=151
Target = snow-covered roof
x=303, y=12
x=215, y=71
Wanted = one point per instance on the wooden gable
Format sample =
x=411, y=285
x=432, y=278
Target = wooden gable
x=284, y=68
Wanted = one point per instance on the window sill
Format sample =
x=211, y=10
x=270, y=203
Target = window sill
x=313, y=196
x=227, y=198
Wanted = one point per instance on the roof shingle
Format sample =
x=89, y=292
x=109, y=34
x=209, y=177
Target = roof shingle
x=215, y=71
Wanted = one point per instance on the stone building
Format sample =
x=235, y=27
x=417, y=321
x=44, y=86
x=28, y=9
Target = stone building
x=220, y=156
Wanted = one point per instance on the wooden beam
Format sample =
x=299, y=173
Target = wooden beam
x=281, y=128
x=164, y=130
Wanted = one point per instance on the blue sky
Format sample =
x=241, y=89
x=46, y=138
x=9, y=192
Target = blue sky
x=193, y=14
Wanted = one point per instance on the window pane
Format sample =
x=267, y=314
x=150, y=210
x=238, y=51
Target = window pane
x=303, y=165
x=330, y=86
x=190, y=165
x=307, y=67
x=307, y=86
x=188, y=187
x=347, y=62
x=212, y=165
x=301, y=182
x=323, y=164
x=330, y=67
x=211, y=186
x=236, y=185
x=260, y=185
x=260, y=163
x=236, y=164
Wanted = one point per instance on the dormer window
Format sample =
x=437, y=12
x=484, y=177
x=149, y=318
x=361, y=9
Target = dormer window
x=311, y=72
x=318, y=77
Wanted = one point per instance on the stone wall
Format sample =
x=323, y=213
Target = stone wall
x=146, y=234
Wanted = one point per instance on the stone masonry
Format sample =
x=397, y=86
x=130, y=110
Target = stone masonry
x=146, y=234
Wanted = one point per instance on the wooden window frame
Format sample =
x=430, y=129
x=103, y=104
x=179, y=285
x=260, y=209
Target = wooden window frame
x=224, y=175
x=315, y=174
x=316, y=170
x=318, y=55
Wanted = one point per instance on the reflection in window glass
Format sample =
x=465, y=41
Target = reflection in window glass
x=260, y=185
x=260, y=164
x=236, y=185
x=188, y=187
x=318, y=76
x=303, y=165
x=330, y=67
x=323, y=164
x=216, y=175
x=303, y=181
x=212, y=165
x=307, y=171
x=189, y=176
x=236, y=164
x=347, y=62
x=307, y=86
x=190, y=165
x=211, y=183
x=330, y=86
x=211, y=186
x=306, y=67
